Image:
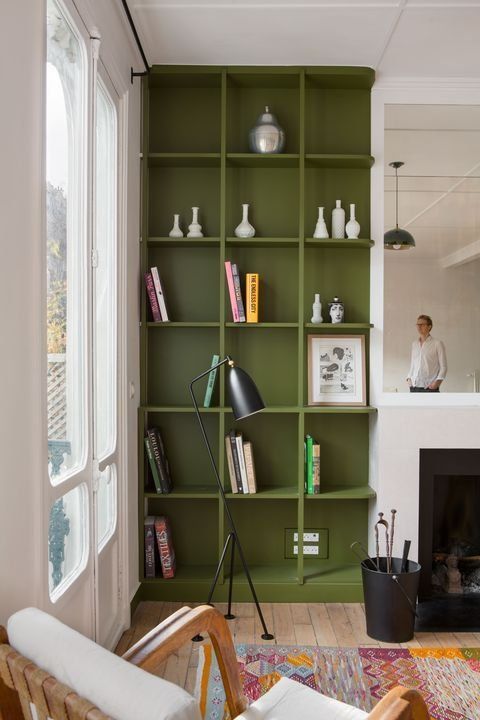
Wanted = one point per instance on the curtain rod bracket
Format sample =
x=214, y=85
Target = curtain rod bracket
x=136, y=74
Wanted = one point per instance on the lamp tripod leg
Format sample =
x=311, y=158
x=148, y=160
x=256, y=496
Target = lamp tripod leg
x=229, y=615
x=266, y=635
x=231, y=536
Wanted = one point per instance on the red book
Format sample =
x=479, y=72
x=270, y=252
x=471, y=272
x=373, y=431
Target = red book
x=165, y=546
x=152, y=296
x=231, y=291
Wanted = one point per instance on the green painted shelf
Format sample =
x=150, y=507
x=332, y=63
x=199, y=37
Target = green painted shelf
x=338, y=326
x=361, y=492
x=201, y=158
x=357, y=244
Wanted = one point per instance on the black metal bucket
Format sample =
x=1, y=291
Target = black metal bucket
x=390, y=599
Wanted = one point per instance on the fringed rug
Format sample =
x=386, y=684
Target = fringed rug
x=448, y=678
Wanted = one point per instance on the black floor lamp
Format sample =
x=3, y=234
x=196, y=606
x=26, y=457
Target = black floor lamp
x=245, y=400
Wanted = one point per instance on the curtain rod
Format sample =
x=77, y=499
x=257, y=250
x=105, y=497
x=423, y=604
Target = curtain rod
x=139, y=44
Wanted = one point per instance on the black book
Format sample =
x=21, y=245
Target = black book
x=161, y=462
x=236, y=462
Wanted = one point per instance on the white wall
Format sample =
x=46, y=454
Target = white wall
x=451, y=296
x=23, y=450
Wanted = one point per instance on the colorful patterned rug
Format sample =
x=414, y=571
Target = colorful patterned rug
x=448, y=678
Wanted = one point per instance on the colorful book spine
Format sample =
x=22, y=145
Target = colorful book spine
x=231, y=291
x=250, y=467
x=149, y=527
x=316, y=469
x=231, y=468
x=158, y=451
x=159, y=293
x=236, y=463
x=152, y=296
x=241, y=462
x=211, y=381
x=165, y=546
x=309, y=444
x=238, y=292
x=153, y=466
x=251, y=296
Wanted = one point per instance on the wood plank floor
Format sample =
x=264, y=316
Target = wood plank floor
x=334, y=624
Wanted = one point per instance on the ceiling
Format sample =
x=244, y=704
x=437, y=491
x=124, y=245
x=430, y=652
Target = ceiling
x=439, y=185
x=398, y=38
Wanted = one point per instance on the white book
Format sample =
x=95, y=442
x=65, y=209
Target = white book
x=241, y=462
x=159, y=292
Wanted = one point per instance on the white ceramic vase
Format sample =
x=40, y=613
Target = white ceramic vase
x=338, y=221
x=317, y=310
x=352, y=228
x=175, y=231
x=321, y=227
x=195, y=229
x=245, y=229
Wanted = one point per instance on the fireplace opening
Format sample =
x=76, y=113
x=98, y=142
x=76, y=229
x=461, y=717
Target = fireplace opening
x=456, y=535
x=449, y=540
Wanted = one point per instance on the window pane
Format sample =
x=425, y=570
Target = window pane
x=65, y=244
x=105, y=276
x=67, y=540
x=106, y=505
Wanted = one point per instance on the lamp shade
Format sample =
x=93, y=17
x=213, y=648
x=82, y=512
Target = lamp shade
x=398, y=239
x=244, y=396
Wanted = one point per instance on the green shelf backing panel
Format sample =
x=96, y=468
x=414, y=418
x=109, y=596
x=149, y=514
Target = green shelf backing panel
x=189, y=464
x=174, y=359
x=196, y=153
x=186, y=273
x=278, y=295
x=342, y=273
x=269, y=356
x=178, y=189
x=274, y=446
x=343, y=448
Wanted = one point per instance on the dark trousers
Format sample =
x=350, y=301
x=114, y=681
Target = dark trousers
x=420, y=389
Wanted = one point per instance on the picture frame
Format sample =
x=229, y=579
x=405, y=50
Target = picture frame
x=336, y=370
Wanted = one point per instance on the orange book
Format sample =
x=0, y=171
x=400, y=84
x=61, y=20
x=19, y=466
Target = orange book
x=252, y=297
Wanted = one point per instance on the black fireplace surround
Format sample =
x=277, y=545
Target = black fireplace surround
x=449, y=540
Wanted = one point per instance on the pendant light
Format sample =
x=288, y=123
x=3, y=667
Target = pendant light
x=397, y=239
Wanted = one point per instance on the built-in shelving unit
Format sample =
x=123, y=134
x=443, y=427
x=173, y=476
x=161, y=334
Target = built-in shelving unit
x=195, y=153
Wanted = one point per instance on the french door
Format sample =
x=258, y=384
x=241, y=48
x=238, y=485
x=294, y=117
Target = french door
x=84, y=473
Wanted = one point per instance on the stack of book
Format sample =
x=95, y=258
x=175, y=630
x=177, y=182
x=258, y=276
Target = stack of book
x=235, y=294
x=157, y=459
x=159, y=552
x=241, y=467
x=156, y=295
x=312, y=466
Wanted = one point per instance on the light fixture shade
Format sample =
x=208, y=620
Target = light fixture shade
x=244, y=396
x=398, y=239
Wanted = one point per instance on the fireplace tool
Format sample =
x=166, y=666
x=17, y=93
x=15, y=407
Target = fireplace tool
x=367, y=556
x=383, y=522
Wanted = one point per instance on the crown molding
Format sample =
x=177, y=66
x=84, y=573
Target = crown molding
x=406, y=83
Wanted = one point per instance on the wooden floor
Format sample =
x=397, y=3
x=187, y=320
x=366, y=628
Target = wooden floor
x=335, y=624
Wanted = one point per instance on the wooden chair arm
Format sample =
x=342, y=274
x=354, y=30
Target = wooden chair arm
x=179, y=628
x=10, y=707
x=400, y=703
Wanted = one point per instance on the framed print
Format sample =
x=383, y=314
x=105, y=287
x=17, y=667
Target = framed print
x=336, y=370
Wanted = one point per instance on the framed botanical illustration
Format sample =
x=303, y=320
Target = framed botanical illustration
x=336, y=370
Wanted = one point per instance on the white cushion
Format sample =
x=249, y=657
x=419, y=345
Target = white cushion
x=289, y=699
x=119, y=689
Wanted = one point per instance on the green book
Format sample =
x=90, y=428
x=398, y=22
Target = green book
x=309, y=441
x=153, y=466
x=211, y=381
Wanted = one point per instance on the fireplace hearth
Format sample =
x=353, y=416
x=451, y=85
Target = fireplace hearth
x=449, y=540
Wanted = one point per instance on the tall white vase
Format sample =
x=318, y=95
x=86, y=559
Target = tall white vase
x=338, y=221
x=317, y=310
x=245, y=229
x=195, y=229
x=352, y=227
x=320, y=228
x=175, y=231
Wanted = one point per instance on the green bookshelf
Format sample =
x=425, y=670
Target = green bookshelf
x=195, y=153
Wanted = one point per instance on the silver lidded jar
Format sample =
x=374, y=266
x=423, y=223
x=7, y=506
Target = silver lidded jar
x=267, y=136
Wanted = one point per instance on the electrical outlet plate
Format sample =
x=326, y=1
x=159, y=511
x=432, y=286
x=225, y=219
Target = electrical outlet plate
x=315, y=543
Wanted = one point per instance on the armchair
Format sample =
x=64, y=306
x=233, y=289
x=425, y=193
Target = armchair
x=65, y=676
